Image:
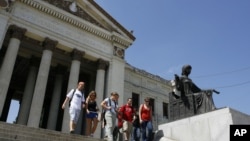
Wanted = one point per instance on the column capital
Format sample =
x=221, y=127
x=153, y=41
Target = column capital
x=17, y=32
x=102, y=64
x=77, y=54
x=49, y=44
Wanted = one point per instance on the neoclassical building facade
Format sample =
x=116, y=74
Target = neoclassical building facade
x=47, y=46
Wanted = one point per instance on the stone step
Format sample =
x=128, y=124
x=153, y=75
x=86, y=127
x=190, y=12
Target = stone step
x=15, y=132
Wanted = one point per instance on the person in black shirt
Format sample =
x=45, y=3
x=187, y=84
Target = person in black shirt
x=136, y=131
x=91, y=115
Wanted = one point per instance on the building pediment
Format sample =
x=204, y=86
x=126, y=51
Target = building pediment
x=92, y=14
x=103, y=18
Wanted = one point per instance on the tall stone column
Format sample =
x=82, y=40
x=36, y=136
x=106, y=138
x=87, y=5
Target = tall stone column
x=9, y=62
x=72, y=84
x=99, y=88
x=3, y=27
x=23, y=113
x=55, y=101
x=116, y=75
x=41, y=82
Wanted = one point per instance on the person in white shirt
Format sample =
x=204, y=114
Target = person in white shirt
x=76, y=99
x=111, y=107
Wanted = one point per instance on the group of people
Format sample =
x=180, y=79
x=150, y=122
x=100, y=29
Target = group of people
x=76, y=101
x=125, y=120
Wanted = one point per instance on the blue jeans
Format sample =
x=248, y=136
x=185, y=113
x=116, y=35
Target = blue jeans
x=136, y=134
x=147, y=130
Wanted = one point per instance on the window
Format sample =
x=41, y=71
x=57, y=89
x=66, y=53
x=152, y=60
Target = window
x=135, y=102
x=165, y=109
x=152, y=103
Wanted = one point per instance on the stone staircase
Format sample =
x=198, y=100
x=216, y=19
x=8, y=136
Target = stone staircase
x=15, y=132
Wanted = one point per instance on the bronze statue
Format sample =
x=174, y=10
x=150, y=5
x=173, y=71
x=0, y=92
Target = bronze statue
x=184, y=84
x=194, y=99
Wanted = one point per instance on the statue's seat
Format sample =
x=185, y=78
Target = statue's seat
x=180, y=107
x=191, y=104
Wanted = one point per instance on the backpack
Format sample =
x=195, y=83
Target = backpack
x=103, y=112
x=102, y=117
x=72, y=97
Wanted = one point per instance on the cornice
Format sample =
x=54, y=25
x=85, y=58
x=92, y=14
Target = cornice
x=112, y=19
x=113, y=37
x=146, y=74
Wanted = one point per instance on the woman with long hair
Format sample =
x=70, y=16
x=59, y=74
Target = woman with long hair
x=91, y=113
x=145, y=116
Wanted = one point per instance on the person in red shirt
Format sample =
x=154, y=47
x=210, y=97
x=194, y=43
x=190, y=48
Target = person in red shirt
x=145, y=116
x=119, y=118
x=117, y=132
x=127, y=113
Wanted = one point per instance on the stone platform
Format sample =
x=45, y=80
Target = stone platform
x=211, y=126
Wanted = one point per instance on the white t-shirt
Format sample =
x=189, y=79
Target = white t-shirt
x=113, y=105
x=77, y=99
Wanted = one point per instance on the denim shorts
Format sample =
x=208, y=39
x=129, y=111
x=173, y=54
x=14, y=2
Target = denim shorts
x=92, y=115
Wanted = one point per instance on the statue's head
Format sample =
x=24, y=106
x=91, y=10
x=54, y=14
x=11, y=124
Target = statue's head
x=186, y=70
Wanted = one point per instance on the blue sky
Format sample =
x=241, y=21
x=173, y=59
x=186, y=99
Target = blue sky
x=213, y=36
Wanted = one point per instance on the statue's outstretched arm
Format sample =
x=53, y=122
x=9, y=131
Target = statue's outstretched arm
x=195, y=89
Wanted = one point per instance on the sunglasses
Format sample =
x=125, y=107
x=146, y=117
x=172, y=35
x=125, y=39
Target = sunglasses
x=146, y=101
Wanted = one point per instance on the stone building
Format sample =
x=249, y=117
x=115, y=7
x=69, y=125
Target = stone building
x=140, y=84
x=47, y=46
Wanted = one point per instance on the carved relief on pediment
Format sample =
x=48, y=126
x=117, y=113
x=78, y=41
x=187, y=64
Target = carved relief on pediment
x=65, y=4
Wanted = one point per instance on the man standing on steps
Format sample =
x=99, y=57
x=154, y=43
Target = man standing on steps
x=76, y=101
x=127, y=112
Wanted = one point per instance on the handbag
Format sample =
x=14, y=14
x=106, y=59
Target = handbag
x=100, y=116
